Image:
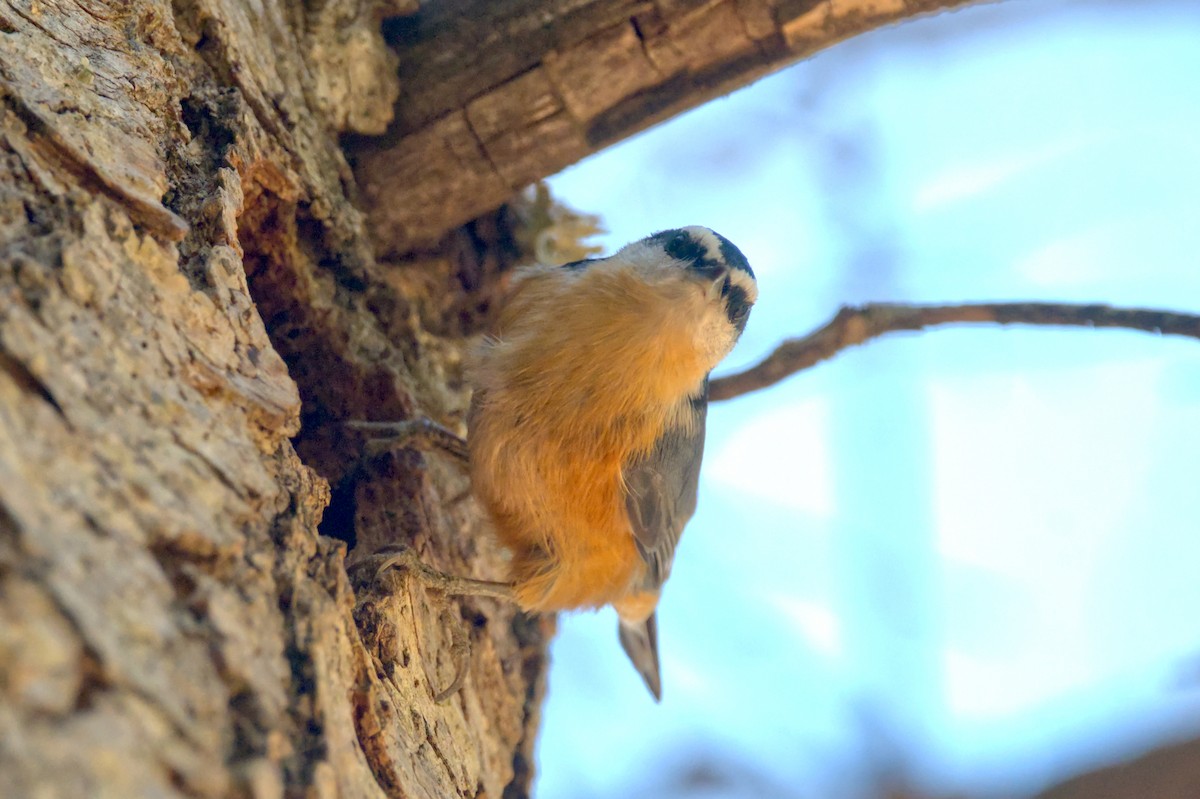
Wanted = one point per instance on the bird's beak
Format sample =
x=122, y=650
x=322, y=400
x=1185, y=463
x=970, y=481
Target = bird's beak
x=712, y=277
x=717, y=286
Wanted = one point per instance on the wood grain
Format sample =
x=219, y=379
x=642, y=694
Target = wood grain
x=571, y=77
x=189, y=307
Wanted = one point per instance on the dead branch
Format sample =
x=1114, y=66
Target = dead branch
x=857, y=325
x=497, y=95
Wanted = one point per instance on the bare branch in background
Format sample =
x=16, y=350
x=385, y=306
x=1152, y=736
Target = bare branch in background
x=857, y=325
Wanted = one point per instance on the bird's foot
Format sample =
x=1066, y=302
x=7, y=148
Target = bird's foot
x=405, y=560
x=420, y=433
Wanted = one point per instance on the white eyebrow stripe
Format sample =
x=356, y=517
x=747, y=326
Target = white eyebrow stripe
x=712, y=244
x=741, y=278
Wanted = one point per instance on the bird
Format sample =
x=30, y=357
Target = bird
x=586, y=426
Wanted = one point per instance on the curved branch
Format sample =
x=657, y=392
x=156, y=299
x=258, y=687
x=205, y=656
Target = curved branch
x=857, y=325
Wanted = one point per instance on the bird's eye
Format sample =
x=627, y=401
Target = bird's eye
x=683, y=246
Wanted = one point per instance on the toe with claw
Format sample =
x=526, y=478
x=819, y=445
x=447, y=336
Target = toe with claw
x=404, y=559
x=420, y=433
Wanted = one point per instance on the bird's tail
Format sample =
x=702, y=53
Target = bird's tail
x=640, y=641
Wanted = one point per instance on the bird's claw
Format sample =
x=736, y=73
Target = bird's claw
x=405, y=558
x=419, y=433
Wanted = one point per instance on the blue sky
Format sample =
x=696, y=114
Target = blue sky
x=970, y=553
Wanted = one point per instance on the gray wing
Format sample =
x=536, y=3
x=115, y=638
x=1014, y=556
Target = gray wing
x=661, y=492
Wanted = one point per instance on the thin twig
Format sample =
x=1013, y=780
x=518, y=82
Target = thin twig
x=856, y=325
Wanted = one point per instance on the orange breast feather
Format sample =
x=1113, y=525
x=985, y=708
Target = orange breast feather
x=586, y=371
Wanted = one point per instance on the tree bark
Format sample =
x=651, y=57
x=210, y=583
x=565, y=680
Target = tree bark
x=191, y=308
x=171, y=622
x=496, y=94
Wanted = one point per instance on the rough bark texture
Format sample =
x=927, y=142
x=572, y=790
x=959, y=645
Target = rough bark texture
x=499, y=93
x=171, y=623
x=190, y=307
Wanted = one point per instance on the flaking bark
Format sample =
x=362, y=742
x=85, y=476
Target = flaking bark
x=497, y=95
x=178, y=250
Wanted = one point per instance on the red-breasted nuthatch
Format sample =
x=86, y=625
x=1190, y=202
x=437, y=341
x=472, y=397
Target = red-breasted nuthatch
x=587, y=423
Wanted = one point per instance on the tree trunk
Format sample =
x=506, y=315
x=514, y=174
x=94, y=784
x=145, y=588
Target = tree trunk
x=191, y=308
x=171, y=623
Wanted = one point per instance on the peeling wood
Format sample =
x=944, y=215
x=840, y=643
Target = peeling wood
x=190, y=305
x=614, y=68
